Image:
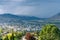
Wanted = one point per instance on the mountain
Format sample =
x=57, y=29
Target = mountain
x=10, y=18
x=54, y=20
x=22, y=19
x=55, y=17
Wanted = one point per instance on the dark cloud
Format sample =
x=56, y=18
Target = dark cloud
x=39, y=8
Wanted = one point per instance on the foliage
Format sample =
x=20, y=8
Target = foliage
x=12, y=36
x=49, y=32
x=1, y=30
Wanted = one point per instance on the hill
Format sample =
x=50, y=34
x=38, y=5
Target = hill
x=22, y=19
x=8, y=18
x=55, y=17
x=54, y=20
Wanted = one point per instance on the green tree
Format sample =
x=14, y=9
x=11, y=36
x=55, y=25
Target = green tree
x=49, y=32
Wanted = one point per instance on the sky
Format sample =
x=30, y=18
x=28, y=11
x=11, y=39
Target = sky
x=38, y=8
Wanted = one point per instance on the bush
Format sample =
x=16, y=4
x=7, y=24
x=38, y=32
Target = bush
x=49, y=32
x=12, y=36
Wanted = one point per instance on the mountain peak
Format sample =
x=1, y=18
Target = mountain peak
x=56, y=17
x=20, y=17
x=58, y=14
x=7, y=14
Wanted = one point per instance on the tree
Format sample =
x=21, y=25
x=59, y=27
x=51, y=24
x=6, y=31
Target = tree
x=49, y=32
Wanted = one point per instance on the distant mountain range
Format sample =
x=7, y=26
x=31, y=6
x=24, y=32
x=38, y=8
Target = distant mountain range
x=10, y=18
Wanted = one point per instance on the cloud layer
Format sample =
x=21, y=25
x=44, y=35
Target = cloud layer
x=39, y=8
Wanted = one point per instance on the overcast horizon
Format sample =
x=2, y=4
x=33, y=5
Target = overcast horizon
x=38, y=8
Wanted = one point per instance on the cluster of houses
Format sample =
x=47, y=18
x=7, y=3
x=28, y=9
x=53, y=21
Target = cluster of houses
x=5, y=27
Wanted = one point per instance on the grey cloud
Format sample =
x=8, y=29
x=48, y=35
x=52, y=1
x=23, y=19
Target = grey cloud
x=39, y=8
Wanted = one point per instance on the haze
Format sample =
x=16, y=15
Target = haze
x=38, y=8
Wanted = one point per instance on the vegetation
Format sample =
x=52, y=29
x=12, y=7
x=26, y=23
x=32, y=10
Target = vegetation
x=49, y=32
x=12, y=36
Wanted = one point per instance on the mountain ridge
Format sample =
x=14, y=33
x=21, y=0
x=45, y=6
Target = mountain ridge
x=6, y=18
x=55, y=17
